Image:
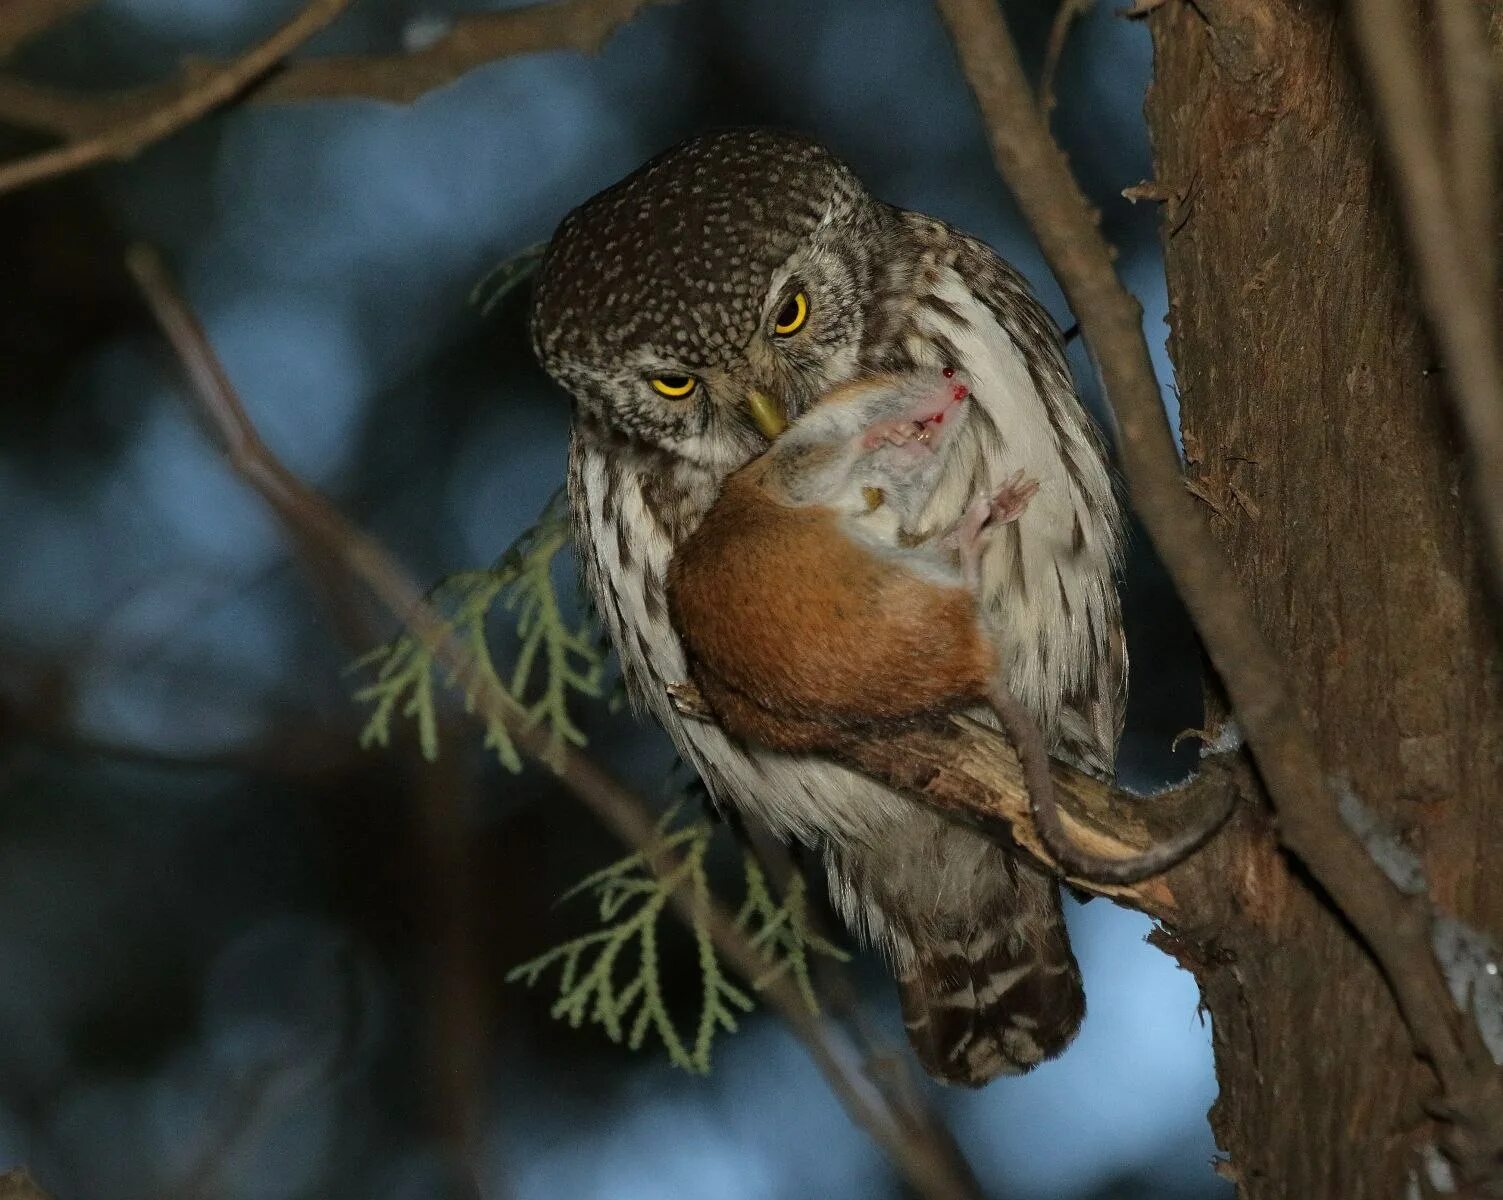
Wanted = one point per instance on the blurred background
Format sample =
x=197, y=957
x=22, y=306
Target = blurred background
x=239, y=955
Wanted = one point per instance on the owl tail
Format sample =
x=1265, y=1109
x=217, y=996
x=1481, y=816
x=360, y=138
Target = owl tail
x=988, y=982
x=998, y=1002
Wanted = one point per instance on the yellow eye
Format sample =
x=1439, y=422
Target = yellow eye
x=675, y=387
x=792, y=315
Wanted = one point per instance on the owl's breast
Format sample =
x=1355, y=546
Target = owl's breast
x=1048, y=581
x=624, y=548
x=627, y=521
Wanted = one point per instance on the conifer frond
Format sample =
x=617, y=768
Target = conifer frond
x=555, y=657
x=781, y=930
x=596, y=980
x=609, y=977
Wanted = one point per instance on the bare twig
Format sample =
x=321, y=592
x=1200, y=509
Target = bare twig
x=456, y=1017
x=181, y=108
x=310, y=515
x=1470, y=79
x=293, y=754
x=1101, y=839
x=22, y=20
x=18, y=1185
x=1394, y=929
x=1065, y=16
x=889, y=1067
x=67, y=114
x=1444, y=239
x=116, y=126
x=471, y=41
x=971, y=773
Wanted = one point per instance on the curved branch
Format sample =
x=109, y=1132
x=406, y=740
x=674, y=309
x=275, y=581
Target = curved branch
x=309, y=516
x=970, y=772
x=116, y=119
x=67, y=114
x=1065, y=16
x=18, y=1185
x=182, y=105
x=469, y=42
x=1393, y=928
x=1452, y=244
x=22, y=20
x=974, y=774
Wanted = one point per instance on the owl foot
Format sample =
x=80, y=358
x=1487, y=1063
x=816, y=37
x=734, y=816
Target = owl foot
x=688, y=702
x=986, y=515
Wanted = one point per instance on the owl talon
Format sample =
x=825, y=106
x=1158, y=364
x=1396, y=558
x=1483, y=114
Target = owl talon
x=688, y=701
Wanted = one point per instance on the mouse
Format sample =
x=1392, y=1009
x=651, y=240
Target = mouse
x=811, y=619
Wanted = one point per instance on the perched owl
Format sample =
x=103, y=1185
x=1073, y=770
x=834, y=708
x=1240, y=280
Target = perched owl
x=693, y=308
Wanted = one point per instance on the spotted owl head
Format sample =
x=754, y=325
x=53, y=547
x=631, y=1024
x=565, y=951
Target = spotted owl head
x=710, y=295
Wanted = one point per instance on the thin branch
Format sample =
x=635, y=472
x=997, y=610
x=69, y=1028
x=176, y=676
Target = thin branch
x=975, y=775
x=1443, y=241
x=295, y=754
x=180, y=109
x=311, y=516
x=115, y=126
x=971, y=773
x=18, y=1185
x=471, y=41
x=1065, y=16
x=1395, y=929
x=1470, y=80
x=457, y=1032
x=67, y=114
x=890, y=1068
x=22, y=20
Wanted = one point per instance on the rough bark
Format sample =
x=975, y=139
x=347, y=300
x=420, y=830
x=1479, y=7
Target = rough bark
x=1316, y=434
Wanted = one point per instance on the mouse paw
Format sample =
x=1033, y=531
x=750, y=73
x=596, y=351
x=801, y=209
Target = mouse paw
x=1011, y=500
x=987, y=514
x=894, y=433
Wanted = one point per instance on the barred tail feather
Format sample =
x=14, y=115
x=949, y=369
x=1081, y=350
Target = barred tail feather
x=996, y=1003
x=988, y=982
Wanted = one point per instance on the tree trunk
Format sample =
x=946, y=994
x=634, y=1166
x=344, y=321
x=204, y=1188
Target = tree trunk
x=1319, y=439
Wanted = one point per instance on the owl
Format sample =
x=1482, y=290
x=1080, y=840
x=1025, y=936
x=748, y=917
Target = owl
x=690, y=311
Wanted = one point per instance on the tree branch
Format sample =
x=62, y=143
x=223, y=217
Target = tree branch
x=974, y=775
x=1065, y=16
x=22, y=20
x=310, y=516
x=181, y=106
x=1470, y=80
x=117, y=125
x=471, y=41
x=1448, y=241
x=18, y=1185
x=1394, y=929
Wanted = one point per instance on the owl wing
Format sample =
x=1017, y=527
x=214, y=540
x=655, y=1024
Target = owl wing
x=1048, y=580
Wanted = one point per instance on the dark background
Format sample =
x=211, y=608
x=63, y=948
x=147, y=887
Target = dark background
x=226, y=931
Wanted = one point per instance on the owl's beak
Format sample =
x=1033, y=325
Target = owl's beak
x=770, y=415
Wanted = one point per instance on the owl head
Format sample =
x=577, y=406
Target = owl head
x=707, y=298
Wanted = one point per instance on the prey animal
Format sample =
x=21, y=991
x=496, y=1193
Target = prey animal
x=807, y=617
x=810, y=619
